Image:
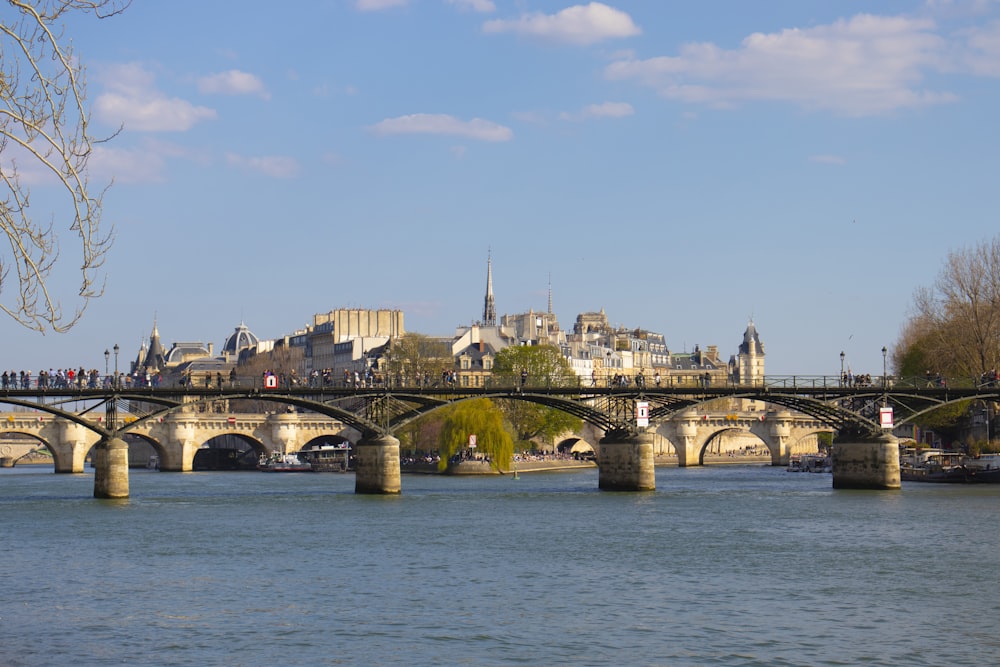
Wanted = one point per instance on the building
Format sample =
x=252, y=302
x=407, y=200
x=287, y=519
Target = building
x=361, y=330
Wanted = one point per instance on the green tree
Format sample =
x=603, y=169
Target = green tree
x=45, y=124
x=479, y=417
x=544, y=364
x=533, y=422
x=415, y=358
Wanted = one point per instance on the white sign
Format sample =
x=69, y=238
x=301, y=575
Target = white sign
x=642, y=414
x=472, y=441
x=885, y=417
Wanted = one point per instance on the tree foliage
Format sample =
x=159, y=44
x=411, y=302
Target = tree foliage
x=415, y=358
x=535, y=422
x=479, y=417
x=955, y=328
x=45, y=137
x=544, y=364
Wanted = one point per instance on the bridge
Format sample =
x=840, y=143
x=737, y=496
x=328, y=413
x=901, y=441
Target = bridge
x=177, y=420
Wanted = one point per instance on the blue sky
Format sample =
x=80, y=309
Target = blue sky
x=685, y=166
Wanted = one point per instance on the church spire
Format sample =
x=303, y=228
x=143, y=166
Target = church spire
x=489, y=307
x=550, y=293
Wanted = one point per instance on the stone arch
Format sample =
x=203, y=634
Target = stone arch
x=15, y=450
x=732, y=441
x=576, y=447
x=228, y=451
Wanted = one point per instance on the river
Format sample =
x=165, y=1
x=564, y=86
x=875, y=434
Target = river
x=721, y=565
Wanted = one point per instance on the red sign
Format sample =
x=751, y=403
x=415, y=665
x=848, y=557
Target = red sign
x=231, y=420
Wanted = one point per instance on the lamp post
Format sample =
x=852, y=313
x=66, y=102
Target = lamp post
x=107, y=355
x=841, y=368
x=115, y=348
x=885, y=381
x=986, y=416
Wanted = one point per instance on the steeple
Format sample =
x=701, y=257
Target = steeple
x=155, y=360
x=489, y=308
x=550, y=294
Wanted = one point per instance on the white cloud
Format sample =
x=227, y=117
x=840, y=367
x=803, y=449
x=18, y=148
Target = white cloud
x=864, y=65
x=484, y=6
x=132, y=100
x=127, y=165
x=603, y=110
x=379, y=5
x=423, y=123
x=608, y=110
x=276, y=166
x=233, y=82
x=982, y=50
x=144, y=163
x=579, y=24
x=828, y=159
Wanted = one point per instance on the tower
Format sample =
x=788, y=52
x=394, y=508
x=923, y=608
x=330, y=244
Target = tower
x=751, y=357
x=489, y=307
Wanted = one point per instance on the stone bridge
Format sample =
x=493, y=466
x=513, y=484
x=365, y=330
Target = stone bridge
x=176, y=436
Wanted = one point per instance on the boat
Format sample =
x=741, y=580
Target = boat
x=946, y=467
x=328, y=458
x=283, y=463
x=810, y=463
x=982, y=469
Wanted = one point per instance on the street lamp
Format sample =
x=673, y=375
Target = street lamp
x=107, y=355
x=841, y=368
x=986, y=416
x=884, y=382
x=115, y=348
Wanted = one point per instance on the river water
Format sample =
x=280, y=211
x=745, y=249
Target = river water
x=721, y=565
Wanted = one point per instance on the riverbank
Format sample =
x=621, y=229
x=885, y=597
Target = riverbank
x=556, y=465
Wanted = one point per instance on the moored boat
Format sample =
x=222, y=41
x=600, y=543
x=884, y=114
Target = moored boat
x=328, y=458
x=809, y=463
x=939, y=466
x=283, y=463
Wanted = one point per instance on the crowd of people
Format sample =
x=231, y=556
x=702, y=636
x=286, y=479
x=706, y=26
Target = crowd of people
x=55, y=379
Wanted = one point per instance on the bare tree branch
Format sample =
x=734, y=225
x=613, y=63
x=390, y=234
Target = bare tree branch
x=45, y=122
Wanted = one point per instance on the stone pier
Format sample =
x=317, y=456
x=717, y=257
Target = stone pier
x=110, y=459
x=626, y=463
x=870, y=462
x=376, y=465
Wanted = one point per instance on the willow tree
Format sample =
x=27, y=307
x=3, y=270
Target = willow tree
x=45, y=138
x=481, y=418
x=955, y=328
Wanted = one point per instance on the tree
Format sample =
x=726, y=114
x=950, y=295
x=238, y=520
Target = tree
x=479, y=417
x=956, y=324
x=415, y=359
x=544, y=365
x=45, y=133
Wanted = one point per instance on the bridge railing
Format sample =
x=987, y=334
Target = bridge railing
x=648, y=380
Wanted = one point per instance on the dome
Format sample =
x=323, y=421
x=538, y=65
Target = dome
x=241, y=339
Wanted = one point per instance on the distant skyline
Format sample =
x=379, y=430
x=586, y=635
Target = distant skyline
x=687, y=167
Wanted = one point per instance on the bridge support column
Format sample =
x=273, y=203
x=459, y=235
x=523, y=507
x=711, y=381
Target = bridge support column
x=626, y=463
x=376, y=465
x=110, y=458
x=866, y=463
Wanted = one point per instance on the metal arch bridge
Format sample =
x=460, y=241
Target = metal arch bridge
x=374, y=411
